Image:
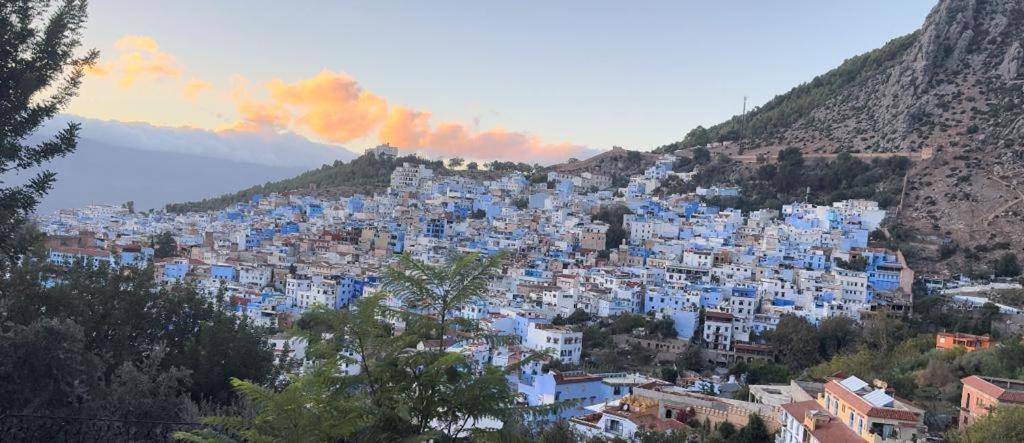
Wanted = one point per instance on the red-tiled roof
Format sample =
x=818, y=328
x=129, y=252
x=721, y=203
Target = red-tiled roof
x=988, y=388
x=831, y=431
x=866, y=408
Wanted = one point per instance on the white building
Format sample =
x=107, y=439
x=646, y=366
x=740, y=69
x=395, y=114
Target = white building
x=254, y=275
x=566, y=343
x=408, y=177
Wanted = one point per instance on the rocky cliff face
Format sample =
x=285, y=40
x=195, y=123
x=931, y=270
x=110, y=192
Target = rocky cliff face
x=963, y=69
x=957, y=92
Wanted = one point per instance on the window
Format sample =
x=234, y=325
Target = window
x=613, y=426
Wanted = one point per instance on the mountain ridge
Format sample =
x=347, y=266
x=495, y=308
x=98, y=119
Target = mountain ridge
x=954, y=88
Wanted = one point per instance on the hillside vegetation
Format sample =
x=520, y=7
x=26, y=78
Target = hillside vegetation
x=792, y=178
x=789, y=108
x=364, y=174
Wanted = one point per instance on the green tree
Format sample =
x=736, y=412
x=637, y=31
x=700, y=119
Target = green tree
x=456, y=162
x=701, y=155
x=691, y=359
x=1007, y=265
x=46, y=367
x=396, y=395
x=578, y=316
x=836, y=335
x=727, y=430
x=438, y=289
x=41, y=68
x=472, y=166
x=756, y=431
x=613, y=215
x=796, y=341
x=1005, y=424
x=164, y=245
x=124, y=315
x=559, y=432
x=789, y=170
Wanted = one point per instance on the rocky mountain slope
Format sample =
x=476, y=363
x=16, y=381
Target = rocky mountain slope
x=952, y=95
x=615, y=162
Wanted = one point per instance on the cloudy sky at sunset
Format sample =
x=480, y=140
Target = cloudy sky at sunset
x=534, y=82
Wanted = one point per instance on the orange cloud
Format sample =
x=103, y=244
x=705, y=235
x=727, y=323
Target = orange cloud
x=255, y=116
x=331, y=105
x=334, y=107
x=193, y=88
x=139, y=57
x=412, y=129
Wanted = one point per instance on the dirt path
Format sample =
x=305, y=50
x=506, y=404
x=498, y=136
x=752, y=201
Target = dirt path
x=992, y=216
x=915, y=156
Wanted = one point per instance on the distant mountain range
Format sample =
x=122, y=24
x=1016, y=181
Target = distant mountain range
x=153, y=165
x=951, y=93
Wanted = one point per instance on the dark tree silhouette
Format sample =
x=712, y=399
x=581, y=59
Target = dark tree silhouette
x=41, y=68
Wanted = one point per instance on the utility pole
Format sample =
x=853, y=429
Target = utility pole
x=744, y=105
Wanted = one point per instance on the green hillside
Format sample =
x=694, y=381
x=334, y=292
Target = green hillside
x=787, y=109
x=365, y=174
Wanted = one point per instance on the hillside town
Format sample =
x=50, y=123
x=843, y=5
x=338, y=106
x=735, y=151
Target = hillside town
x=721, y=279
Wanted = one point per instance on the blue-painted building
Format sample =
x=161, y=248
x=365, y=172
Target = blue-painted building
x=175, y=271
x=314, y=210
x=435, y=228
x=349, y=289
x=223, y=272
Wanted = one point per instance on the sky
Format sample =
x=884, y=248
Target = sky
x=523, y=81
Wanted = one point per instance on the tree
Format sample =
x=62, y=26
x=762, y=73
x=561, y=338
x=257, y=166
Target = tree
x=124, y=315
x=698, y=136
x=1007, y=265
x=796, y=341
x=669, y=374
x=691, y=359
x=663, y=328
x=701, y=155
x=761, y=372
x=789, y=170
x=164, y=245
x=614, y=216
x=578, y=316
x=1004, y=424
x=756, y=431
x=727, y=430
x=559, y=432
x=455, y=162
x=46, y=367
x=438, y=290
x=40, y=73
x=396, y=395
x=836, y=335
x=479, y=214
x=650, y=436
x=472, y=166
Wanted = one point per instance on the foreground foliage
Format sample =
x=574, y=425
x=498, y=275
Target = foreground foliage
x=40, y=72
x=98, y=342
x=400, y=392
